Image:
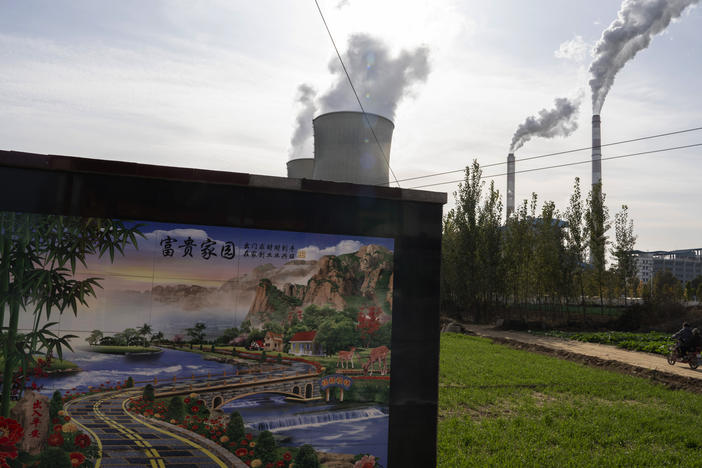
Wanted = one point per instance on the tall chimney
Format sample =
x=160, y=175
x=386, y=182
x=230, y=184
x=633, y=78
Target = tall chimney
x=596, y=150
x=510, y=184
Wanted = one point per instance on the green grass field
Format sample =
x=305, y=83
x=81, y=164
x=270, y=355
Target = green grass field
x=503, y=407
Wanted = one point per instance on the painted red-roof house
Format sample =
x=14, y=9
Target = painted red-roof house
x=273, y=342
x=302, y=344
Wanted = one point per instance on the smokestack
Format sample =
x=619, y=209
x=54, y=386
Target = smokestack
x=346, y=151
x=596, y=150
x=510, y=184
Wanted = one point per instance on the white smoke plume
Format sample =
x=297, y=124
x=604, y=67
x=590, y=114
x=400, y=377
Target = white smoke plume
x=300, y=141
x=381, y=81
x=636, y=24
x=559, y=121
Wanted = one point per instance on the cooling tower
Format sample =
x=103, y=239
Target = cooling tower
x=300, y=168
x=346, y=151
x=596, y=150
x=510, y=184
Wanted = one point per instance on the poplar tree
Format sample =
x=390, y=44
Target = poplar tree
x=597, y=222
x=624, y=243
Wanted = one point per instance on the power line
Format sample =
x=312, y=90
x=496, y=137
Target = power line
x=568, y=164
x=353, y=88
x=559, y=153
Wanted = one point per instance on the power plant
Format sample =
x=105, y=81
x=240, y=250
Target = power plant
x=346, y=150
x=510, y=184
x=596, y=150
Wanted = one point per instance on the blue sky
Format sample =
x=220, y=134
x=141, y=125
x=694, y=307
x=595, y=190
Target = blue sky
x=212, y=84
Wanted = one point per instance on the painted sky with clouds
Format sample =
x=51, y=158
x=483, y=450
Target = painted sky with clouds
x=212, y=84
x=152, y=263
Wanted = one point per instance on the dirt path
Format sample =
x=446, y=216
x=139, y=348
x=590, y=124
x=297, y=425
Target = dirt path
x=653, y=366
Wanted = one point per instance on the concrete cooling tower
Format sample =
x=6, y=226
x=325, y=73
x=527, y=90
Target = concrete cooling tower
x=346, y=151
x=300, y=168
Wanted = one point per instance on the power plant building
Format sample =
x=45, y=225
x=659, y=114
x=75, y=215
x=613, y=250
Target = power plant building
x=685, y=265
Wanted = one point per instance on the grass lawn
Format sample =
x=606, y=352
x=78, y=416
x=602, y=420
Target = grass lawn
x=504, y=407
x=56, y=364
x=124, y=349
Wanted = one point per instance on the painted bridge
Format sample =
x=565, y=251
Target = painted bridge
x=298, y=385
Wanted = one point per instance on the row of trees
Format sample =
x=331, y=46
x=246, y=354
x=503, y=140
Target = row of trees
x=142, y=336
x=537, y=256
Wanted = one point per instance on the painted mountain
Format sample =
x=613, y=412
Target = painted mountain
x=363, y=277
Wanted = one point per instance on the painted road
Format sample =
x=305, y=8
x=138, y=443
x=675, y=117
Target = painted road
x=125, y=441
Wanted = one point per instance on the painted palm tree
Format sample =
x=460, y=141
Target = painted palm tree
x=143, y=331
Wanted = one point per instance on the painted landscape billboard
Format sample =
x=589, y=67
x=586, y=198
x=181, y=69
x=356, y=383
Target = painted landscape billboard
x=266, y=344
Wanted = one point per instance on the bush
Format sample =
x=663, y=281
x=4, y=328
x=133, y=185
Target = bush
x=55, y=405
x=129, y=383
x=212, y=348
x=176, y=409
x=148, y=394
x=265, y=447
x=306, y=458
x=279, y=359
x=235, y=426
x=54, y=457
x=263, y=356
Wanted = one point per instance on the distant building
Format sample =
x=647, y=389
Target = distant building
x=273, y=342
x=302, y=344
x=685, y=265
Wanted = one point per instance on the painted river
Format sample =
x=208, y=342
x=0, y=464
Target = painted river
x=348, y=429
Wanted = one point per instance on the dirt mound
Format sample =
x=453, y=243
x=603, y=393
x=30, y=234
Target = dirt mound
x=672, y=381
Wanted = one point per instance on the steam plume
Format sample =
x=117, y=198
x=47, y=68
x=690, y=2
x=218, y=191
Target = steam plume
x=559, y=121
x=636, y=24
x=381, y=81
x=300, y=141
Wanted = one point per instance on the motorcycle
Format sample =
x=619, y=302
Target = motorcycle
x=691, y=357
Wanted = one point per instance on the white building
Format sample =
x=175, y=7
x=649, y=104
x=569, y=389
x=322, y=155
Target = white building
x=685, y=265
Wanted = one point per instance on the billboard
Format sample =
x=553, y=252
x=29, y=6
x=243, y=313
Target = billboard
x=223, y=323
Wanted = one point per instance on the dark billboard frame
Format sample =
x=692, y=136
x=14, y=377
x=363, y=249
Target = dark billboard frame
x=73, y=186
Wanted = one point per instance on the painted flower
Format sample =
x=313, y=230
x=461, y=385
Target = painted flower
x=193, y=395
x=55, y=439
x=287, y=456
x=58, y=427
x=10, y=433
x=66, y=418
x=367, y=461
x=69, y=427
x=249, y=436
x=252, y=444
x=257, y=463
x=194, y=409
x=224, y=439
x=186, y=400
x=77, y=458
x=241, y=452
x=82, y=441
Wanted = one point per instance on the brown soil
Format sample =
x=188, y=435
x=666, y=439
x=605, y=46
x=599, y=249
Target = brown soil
x=651, y=366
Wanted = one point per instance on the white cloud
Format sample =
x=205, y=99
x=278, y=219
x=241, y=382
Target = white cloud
x=195, y=234
x=313, y=252
x=575, y=49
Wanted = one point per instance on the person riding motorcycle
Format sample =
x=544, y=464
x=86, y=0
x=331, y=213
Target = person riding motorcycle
x=685, y=338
